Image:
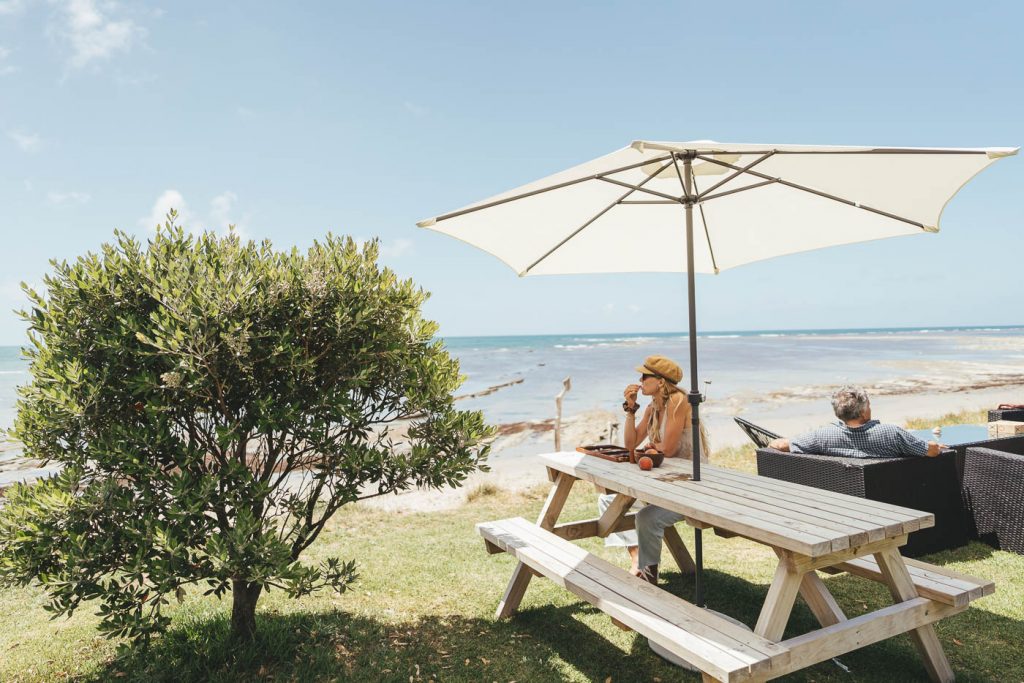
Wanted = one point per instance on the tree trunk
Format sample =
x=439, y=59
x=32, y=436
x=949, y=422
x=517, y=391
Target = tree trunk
x=243, y=609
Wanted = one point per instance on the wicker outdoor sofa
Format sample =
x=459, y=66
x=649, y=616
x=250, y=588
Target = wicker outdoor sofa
x=929, y=484
x=993, y=486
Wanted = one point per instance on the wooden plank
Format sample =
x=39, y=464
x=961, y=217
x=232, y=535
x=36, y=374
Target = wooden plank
x=802, y=563
x=587, y=528
x=931, y=582
x=708, y=492
x=590, y=470
x=859, y=531
x=514, y=592
x=702, y=505
x=679, y=552
x=820, y=601
x=902, y=587
x=792, y=489
x=852, y=634
x=708, y=641
x=865, y=509
x=521, y=576
x=556, y=500
x=641, y=485
x=779, y=603
x=744, y=644
x=609, y=520
x=876, y=524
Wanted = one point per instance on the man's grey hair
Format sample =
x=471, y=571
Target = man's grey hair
x=849, y=403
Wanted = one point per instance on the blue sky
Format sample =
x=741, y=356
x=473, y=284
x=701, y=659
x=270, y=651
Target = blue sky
x=291, y=119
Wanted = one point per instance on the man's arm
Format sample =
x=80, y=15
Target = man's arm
x=779, y=445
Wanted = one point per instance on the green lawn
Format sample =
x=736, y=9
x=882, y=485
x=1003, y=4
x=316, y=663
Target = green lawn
x=422, y=610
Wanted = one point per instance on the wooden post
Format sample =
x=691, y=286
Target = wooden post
x=566, y=386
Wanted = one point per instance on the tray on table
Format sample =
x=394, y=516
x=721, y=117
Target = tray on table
x=606, y=451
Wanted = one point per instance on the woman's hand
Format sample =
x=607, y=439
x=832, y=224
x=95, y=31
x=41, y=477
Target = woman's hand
x=630, y=394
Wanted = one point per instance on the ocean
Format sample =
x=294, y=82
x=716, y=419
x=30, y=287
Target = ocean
x=743, y=368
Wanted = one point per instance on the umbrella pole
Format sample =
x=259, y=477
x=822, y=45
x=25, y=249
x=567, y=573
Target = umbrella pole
x=694, y=395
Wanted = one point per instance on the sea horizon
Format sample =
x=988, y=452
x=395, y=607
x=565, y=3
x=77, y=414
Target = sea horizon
x=513, y=378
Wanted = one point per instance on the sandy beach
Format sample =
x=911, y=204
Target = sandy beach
x=512, y=466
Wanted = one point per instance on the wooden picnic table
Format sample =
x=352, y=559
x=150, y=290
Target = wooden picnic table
x=809, y=529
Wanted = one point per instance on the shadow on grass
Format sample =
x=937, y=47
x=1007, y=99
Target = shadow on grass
x=542, y=644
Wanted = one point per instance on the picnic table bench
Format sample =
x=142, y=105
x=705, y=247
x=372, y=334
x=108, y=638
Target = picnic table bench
x=809, y=530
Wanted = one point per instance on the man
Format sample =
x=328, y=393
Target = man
x=858, y=436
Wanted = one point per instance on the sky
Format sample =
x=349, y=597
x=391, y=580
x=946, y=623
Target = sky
x=289, y=120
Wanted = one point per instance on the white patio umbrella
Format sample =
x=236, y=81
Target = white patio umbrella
x=633, y=211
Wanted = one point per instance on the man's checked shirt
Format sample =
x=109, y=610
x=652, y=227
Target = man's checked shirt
x=870, y=440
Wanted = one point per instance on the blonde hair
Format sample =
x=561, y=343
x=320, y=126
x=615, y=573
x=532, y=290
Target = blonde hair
x=654, y=424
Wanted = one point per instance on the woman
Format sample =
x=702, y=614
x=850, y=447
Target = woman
x=667, y=425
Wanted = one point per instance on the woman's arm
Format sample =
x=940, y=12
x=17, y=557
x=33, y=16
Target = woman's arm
x=678, y=419
x=634, y=433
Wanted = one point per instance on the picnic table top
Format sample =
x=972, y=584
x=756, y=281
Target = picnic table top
x=805, y=520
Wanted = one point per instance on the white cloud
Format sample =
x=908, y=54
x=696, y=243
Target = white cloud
x=28, y=142
x=91, y=34
x=68, y=197
x=6, y=68
x=11, y=6
x=396, y=248
x=170, y=199
x=220, y=217
x=245, y=112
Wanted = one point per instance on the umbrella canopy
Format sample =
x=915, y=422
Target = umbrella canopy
x=622, y=212
x=633, y=211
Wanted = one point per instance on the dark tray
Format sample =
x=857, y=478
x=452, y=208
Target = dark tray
x=606, y=451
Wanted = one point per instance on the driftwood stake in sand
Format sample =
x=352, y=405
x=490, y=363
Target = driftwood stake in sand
x=566, y=386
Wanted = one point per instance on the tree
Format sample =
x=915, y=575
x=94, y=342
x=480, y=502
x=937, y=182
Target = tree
x=212, y=403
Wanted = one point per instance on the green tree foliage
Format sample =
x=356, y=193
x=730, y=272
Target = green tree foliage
x=212, y=402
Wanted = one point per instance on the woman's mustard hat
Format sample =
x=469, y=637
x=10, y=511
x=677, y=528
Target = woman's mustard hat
x=662, y=367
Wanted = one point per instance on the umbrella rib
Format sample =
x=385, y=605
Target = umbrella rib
x=704, y=220
x=826, y=195
x=591, y=221
x=752, y=164
x=706, y=198
x=641, y=188
x=559, y=186
x=696, y=193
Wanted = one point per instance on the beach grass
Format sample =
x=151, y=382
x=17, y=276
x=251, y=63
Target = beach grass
x=962, y=417
x=423, y=607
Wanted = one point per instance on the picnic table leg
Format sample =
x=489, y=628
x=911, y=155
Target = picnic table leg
x=779, y=603
x=613, y=515
x=679, y=552
x=820, y=600
x=890, y=562
x=521, y=575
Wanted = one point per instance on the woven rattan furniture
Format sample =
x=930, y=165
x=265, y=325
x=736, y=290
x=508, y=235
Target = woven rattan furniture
x=1015, y=414
x=994, y=491
x=929, y=484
